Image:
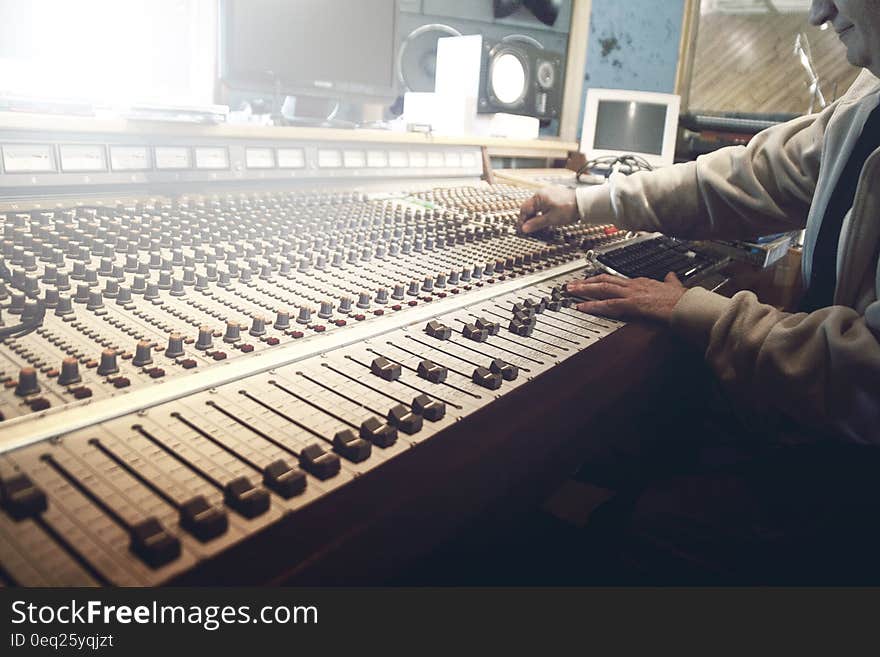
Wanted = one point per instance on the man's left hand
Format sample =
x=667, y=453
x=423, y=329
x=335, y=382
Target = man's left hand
x=629, y=298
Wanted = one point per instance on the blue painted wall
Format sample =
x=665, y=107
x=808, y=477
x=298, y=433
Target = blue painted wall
x=633, y=45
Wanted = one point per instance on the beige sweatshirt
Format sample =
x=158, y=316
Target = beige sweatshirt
x=822, y=369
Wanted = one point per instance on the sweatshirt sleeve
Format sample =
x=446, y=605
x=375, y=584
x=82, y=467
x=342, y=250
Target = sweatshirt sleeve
x=738, y=192
x=821, y=369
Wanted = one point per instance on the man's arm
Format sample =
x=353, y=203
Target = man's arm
x=738, y=192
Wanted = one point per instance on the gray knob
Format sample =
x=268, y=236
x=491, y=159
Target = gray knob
x=440, y=281
x=428, y=284
x=337, y=259
x=345, y=304
x=233, y=332
x=398, y=292
x=258, y=326
x=139, y=285
x=177, y=288
x=82, y=294
x=326, y=310
x=266, y=273
x=96, y=300
x=201, y=283
x=50, y=298
x=64, y=307
x=282, y=320
x=205, y=339
x=69, y=372
x=143, y=354
x=382, y=295
x=63, y=281
x=363, y=300
x=304, y=316
x=123, y=296
x=50, y=274
x=175, y=346
x=108, y=363
x=164, y=280
x=245, y=275
x=413, y=289
x=225, y=280
x=321, y=262
x=189, y=276
x=453, y=277
x=465, y=275
x=111, y=288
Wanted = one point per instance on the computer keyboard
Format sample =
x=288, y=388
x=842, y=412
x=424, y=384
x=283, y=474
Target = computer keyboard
x=656, y=255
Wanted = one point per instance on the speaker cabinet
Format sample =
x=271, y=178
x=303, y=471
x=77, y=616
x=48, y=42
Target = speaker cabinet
x=518, y=78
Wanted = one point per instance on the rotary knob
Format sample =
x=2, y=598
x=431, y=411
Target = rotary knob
x=326, y=310
x=258, y=326
x=233, y=332
x=304, y=316
x=363, y=300
x=111, y=288
x=152, y=292
x=177, y=288
x=175, y=346
x=413, y=289
x=96, y=300
x=382, y=295
x=65, y=306
x=428, y=284
x=82, y=294
x=440, y=281
x=27, y=382
x=143, y=354
x=123, y=296
x=108, y=363
x=50, y=298
x=282, y=320
x=398, y=292
x=205, y=339
x=345, y=304
x=69, y=372
x=139, y=285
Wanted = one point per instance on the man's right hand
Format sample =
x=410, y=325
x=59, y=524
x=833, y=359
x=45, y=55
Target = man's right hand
x=551, y=206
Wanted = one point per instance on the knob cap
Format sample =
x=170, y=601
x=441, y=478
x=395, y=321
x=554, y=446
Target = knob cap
x=233, y=332
x=258, y=326
x=143, y=354
x=326, y=310
x=96, y=300
x=282, y=319
x=108, y=363
x=65, y=306
x=27, y=382
x=175, y=346
x=69, y=372
x=205, y=339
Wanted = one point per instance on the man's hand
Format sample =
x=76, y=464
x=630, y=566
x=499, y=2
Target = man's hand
x=629, y=298
x=551, y=206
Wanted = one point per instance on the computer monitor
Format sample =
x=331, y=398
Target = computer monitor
x=620, y=122
x=338, y=48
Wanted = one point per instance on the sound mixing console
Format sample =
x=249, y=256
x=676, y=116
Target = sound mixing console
x=182, y=369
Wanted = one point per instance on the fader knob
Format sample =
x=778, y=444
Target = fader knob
x=175, y=346
x=205, y=339
x=282, y=320
x=233, y=332
x=108, y=363
x=143, y=354
x=258, y=326
x=27, y=382
x=69, y=372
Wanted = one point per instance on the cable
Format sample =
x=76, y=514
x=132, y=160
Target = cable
x=628, y=163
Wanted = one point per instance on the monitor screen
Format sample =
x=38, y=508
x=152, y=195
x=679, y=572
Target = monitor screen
x=328, y=46
x=630, y=126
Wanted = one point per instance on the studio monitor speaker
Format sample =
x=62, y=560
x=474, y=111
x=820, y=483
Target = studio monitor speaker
x=518, y=77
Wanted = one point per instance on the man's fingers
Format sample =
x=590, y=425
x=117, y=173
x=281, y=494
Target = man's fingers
x=672, y=278
x=538, y=222
x=599, y=290
x=614, y=308
x=529, y=207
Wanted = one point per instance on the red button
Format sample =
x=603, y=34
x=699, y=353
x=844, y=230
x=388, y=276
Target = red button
x=296, y=334
x=340, y=322
x=246, y=348
x=379, y=312
x=319, y=328
x=396, y=306
x=188, y=363
x=272, y=341
x=121, y=382
x=412, y=303
x=219, y=355
x=360, y=318
x=157, y=373
x=82, y=393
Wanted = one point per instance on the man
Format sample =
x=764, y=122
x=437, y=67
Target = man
x=815, y=372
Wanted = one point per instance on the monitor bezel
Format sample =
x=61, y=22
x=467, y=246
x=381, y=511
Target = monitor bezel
x=241, y=81
x=670, y=128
